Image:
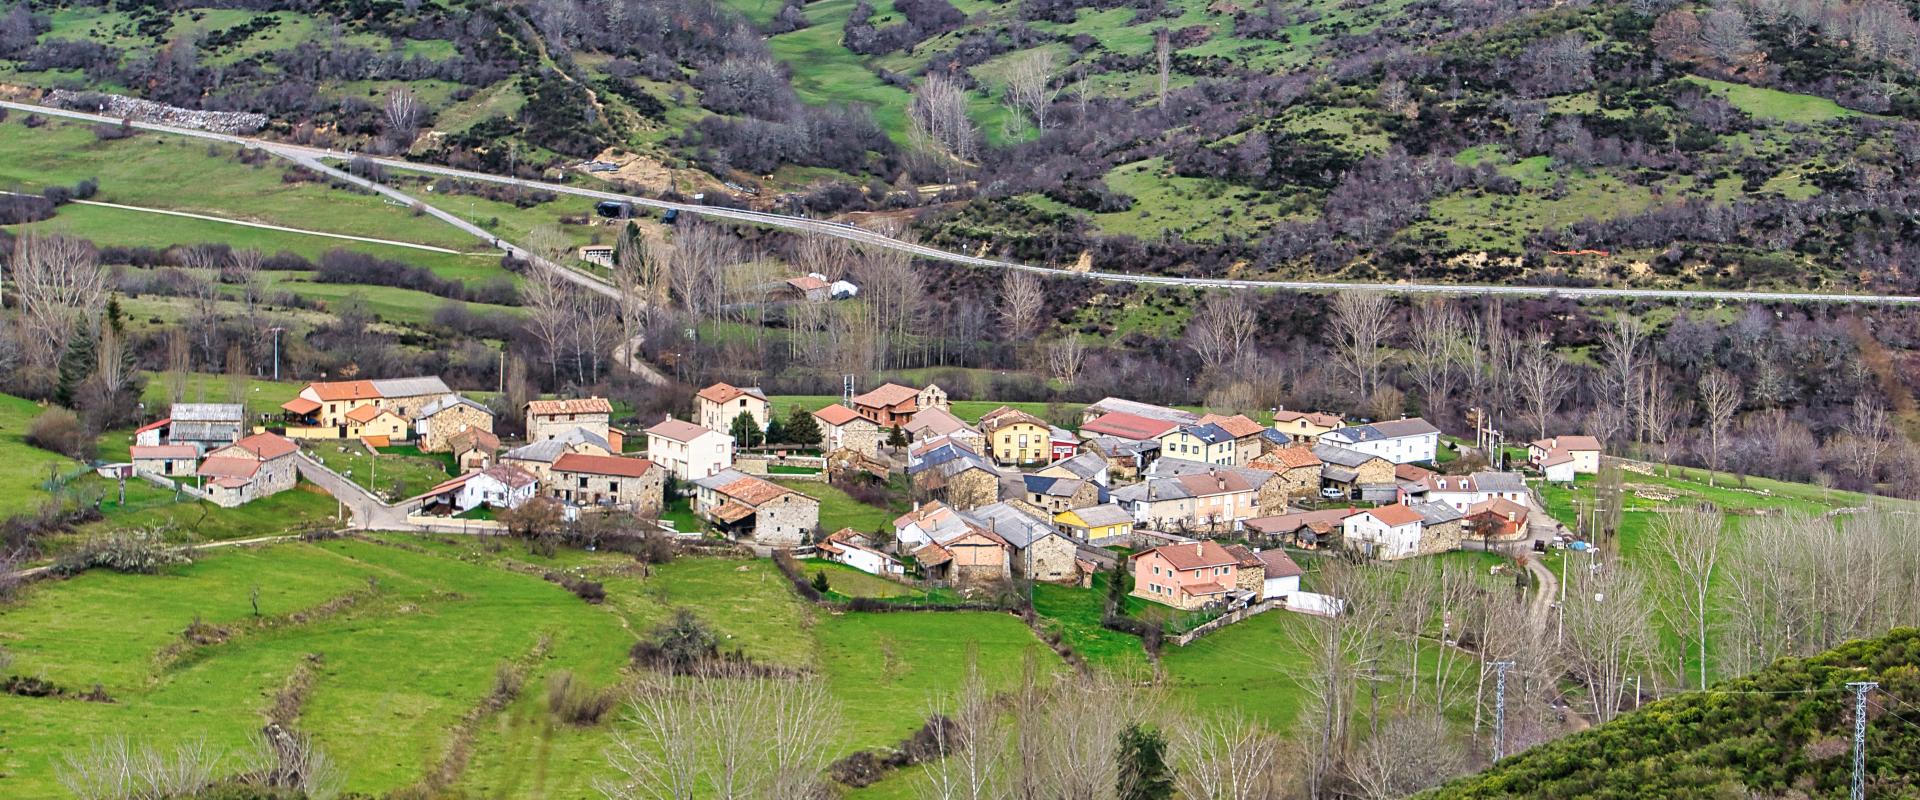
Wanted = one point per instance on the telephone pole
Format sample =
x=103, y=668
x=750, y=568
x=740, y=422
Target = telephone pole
x=1860, y=689
x=1500, y=708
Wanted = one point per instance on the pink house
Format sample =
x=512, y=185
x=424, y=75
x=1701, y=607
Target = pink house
x=1186, y=576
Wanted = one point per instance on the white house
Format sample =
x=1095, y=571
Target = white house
x=925, y=524
x=855, y=549
x=1283, y=576
x=1461, y=492
x=689, y=451
x=1401, y=441
x=498, y=486
x=1565, y=456
x=1387, y=532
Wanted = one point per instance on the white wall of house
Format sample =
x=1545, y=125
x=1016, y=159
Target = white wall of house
x=867, y=561
x=1371, y=535
x=484, y=489
x=1279, y=587
x=1562, y=472
x=1399, y=449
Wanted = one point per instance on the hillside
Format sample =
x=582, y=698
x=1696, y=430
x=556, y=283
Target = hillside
x=1749, y=145
x=1784, y=731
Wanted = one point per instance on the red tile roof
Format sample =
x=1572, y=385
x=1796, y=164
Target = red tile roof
x=228, y=467
x=1321, y=419
x=677, y=430
x=837, y=415
x=267, y=446
x=753, y=491
x=1395, y=514
x=807, y=283
x=1128, y=426
x=573, y=405
x=298, y=405
x=158, y=423
x=887, y=396
x=1193, y=555
x=330, y=391
x=164, y=451
x=602, y=465
x=725, y=393
x=1238, y=425
x=1289, y=458
x=365, y=414
x=1278, y=564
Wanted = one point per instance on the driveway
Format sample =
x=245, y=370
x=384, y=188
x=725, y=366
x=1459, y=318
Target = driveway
x=368, y=512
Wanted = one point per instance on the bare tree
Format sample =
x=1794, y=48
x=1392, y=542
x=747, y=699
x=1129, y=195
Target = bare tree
x=1163, y=57
x=702, y=252
x=117, y=769
x=1362, y=323
x=549, y=303
x=1607, y=635
x=205, y=261
x=635, y=275
x=1065, y=357
x=1720, y=397
x=739, y=737
x=1029, y=86
x=895, y=297
x=826, y=255
x=1871, y=436
x=1622, y=355
x=402, y=116
x=1436, y=354
x=1021, y=300
x=1691, y=541
x=1543, y=382
x=179, y=365
x=1221, y=332
x=1411, y=752
x=969, y=766
x=1658, y=414
x=243, y=270
x=56, y=279
x=1225, y=758
x=937, y=118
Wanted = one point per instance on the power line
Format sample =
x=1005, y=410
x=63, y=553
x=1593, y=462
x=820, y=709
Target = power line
x=1500, y=708
x=1860, y=689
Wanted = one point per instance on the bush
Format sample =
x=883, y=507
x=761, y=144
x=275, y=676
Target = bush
x=135, y=552
x=60, y=431
x=576, y=703
x=820, y=583
x=680, y=645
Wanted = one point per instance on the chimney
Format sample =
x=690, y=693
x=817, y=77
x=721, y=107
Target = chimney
x=1199, y=549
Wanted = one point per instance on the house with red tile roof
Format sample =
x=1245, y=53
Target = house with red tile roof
x=1122, y=425
x=594, y=481
x=320, y=410
x=716, y=406
x=689, y=451
x=254, y=467
x=551, y=419
x=842, y=428
x=1562, y=457
x=746, y=507
x=893, y=406
x=1187, y=576
x=1387, y=532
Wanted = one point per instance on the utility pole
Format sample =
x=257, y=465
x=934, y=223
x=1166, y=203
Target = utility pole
x=1860, y=689
x=1500, y=708
x=1636, y=693
x=276, y=350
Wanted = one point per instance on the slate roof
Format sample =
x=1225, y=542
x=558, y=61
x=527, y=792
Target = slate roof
x=1052, y=487
x=1436, y=513
x=1238, y=425
x=1101, y=515
x=1380, y=431
x=208, y=412
x=1085, y=466
x=1335, y=455
x=1016, y=527
x=1110, y=405
x=1209, y=433
x=451, y=401
x=410, y=387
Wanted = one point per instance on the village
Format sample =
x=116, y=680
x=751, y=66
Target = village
x=1197, y=511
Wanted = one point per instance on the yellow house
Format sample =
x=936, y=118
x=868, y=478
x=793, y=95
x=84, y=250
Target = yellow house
x=1017, y=437
x=371, y=421
x=1094, y=522
x=1208, y=443
x=1305, y=426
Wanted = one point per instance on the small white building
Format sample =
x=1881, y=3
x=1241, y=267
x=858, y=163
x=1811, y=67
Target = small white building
x=689, y=451
x=498, y=486
x=1388, y=532
x=1283, y=576
x=1401, y=441
x=1461, y=492
x=1559, y=468
x=855, y=549
x=1565, y=456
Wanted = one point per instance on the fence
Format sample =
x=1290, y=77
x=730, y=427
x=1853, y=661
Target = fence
x=187, y=488
x=484, y=527
x=1222, y=621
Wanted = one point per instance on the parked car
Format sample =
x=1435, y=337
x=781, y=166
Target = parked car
x=1330, y=492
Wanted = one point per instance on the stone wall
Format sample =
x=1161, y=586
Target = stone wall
x=786, y=521
x=1441, y=538
x=113, y=105
x=1052, y=559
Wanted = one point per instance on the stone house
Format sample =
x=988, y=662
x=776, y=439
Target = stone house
x=945, y=471
x=1442, y=528
x=1039, y=552
x=320, y=410
x=165, y=460
x=442, y=420
x=633, y=484
x=745, y=507
x=1245, y=432
x=966, y=557
x=473, y=449
x=843, y=429
x=1054, y=495
x=1355, y=473
x=206, y=426
x=254, y=467
x=538, y=457
x=547, y=419
x=1297, y=470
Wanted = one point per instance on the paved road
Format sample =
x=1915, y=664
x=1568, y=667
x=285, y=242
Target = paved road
x=871, y=238
x=369, y=514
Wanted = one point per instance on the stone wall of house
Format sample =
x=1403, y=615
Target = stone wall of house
x=862, y=437
x=1300, y=482
x=971, y=489
x=1251, y=578
x=1377, y=470
x=1273, y=495
x=541, y=427
x=786, y=521
x=1441, y=538
x=641, y=494
x=1053, y=559
x=276, y=475
x=439, y=429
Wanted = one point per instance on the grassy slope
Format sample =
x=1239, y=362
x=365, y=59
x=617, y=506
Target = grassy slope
x=24, y=468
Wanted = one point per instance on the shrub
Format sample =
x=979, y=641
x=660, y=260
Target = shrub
x=680, y=645
x=576, y=703
x=137, y=552
x=820, y=583
x=60, y=431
